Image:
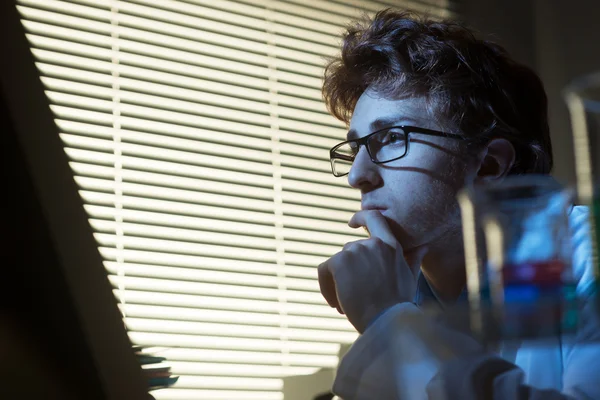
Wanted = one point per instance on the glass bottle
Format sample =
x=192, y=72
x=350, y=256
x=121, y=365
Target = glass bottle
x=518, y=258
x=583, y=101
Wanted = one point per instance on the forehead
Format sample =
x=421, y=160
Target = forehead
x=374, y=112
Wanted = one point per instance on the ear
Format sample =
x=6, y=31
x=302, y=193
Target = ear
x=496, y=160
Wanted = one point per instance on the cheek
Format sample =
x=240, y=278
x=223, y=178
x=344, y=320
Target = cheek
x=422, y=204
x=422, y=190
x=412, y=196
x=426, y=165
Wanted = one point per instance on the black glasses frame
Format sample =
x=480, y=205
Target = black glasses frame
x=407, y=129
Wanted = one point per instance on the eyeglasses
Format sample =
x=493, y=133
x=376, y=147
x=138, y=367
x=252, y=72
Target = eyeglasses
x=383, y=146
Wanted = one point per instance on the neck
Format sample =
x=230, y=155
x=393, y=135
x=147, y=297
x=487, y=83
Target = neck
x=445, y=272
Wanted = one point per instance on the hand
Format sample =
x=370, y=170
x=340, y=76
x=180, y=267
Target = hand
x=370, y=275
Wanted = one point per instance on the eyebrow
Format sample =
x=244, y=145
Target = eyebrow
x=381, y=123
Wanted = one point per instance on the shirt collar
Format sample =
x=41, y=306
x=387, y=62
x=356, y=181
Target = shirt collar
x=425, y=294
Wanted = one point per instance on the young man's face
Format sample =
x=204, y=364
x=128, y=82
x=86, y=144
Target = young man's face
x=417, y=193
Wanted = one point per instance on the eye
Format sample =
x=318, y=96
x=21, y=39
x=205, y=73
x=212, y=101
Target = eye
x=392, y=137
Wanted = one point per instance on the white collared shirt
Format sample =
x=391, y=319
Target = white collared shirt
x=399, y=355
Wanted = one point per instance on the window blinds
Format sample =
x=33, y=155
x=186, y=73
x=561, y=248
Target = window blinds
x=197, y=136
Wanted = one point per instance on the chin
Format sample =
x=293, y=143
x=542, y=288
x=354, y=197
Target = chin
x=402, y=236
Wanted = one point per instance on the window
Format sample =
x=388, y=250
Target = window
x=197, y=136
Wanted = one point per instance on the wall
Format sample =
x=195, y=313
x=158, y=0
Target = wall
x=567, y=36
x=558, y=38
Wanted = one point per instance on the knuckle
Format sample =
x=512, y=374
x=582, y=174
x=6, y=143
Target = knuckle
x=380, y=244
x=353, y=246
x=335, y=270
x=376, y=241
x=344, y=257
x=336, y=261
x=323, y=267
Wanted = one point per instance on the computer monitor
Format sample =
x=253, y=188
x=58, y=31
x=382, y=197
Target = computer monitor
x=61, y=333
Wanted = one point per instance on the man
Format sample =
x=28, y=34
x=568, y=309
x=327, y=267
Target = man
x=430, y=109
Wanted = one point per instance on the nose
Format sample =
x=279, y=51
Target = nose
x=364, y=173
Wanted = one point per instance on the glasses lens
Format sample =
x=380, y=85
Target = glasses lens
x=388, y=145
x=340, y=167
x=342, y=158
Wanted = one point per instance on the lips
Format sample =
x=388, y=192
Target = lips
x=372, y=207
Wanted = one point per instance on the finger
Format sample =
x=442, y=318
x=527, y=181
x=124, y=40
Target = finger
x=327, y=285
x=375, y=224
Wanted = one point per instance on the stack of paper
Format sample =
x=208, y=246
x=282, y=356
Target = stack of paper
x=155, y=370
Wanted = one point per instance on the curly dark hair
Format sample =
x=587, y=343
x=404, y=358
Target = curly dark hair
x=472, y=85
